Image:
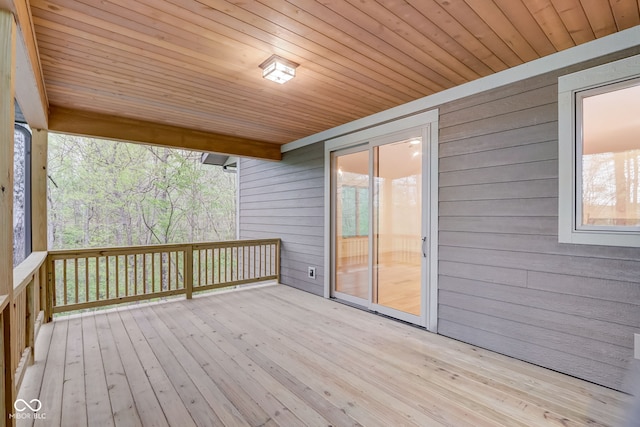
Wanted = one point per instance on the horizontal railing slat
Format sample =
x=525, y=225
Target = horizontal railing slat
x=103, y=303
x=233, y=244
x=129, y=250
x=238, y=282
x=24, y=272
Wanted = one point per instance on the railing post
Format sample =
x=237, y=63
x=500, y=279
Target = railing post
x=41, y=294
x=48, y=293
x=39, y=147
x=278, y=241
x=8, y=374
x=31, y=316
x=188, y=271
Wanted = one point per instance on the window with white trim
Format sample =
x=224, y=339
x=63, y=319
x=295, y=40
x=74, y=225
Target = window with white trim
x=599, y=155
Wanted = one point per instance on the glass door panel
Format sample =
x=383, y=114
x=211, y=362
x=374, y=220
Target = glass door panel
x=351, y=224
x=383, y=219
x=397, y=253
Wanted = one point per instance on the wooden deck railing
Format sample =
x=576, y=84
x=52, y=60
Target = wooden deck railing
x=28, y=279
x=89, y=278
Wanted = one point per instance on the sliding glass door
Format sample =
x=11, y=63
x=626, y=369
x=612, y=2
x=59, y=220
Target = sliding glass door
x=397, y=226
x=378, y=228
x=352, y=224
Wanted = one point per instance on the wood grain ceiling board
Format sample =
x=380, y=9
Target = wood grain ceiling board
x=194, y=64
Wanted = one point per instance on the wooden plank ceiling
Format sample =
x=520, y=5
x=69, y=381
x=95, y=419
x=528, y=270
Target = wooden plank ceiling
x=194, y=64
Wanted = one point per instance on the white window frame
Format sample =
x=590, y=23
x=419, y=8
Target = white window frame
x=570, y=176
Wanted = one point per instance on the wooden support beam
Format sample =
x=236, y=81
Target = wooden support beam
x=98, y=125
x=7, y=113
x=39, y=148
x=29, y=85
x=39, y=231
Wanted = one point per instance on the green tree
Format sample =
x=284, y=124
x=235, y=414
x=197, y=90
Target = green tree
x=106, y=193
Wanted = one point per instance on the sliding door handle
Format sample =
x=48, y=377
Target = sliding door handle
x=424, y=246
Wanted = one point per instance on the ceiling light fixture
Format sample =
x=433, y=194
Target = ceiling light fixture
x=278, y=69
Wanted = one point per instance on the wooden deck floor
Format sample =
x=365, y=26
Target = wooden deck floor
x=275, y=356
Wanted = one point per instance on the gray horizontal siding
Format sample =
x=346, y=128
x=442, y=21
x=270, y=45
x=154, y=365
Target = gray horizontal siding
x=505, y=283
x=525, y=349
x=286, y=199
x=546, y=169
x=534, y=188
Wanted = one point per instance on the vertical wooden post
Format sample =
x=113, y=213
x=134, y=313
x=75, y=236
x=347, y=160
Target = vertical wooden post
x=278, y=260
x=39, y=147
x=50, y=291
x=188, y=271
x=31, y=316
x=7, y=116
x=39, y=233
x=5, y=395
